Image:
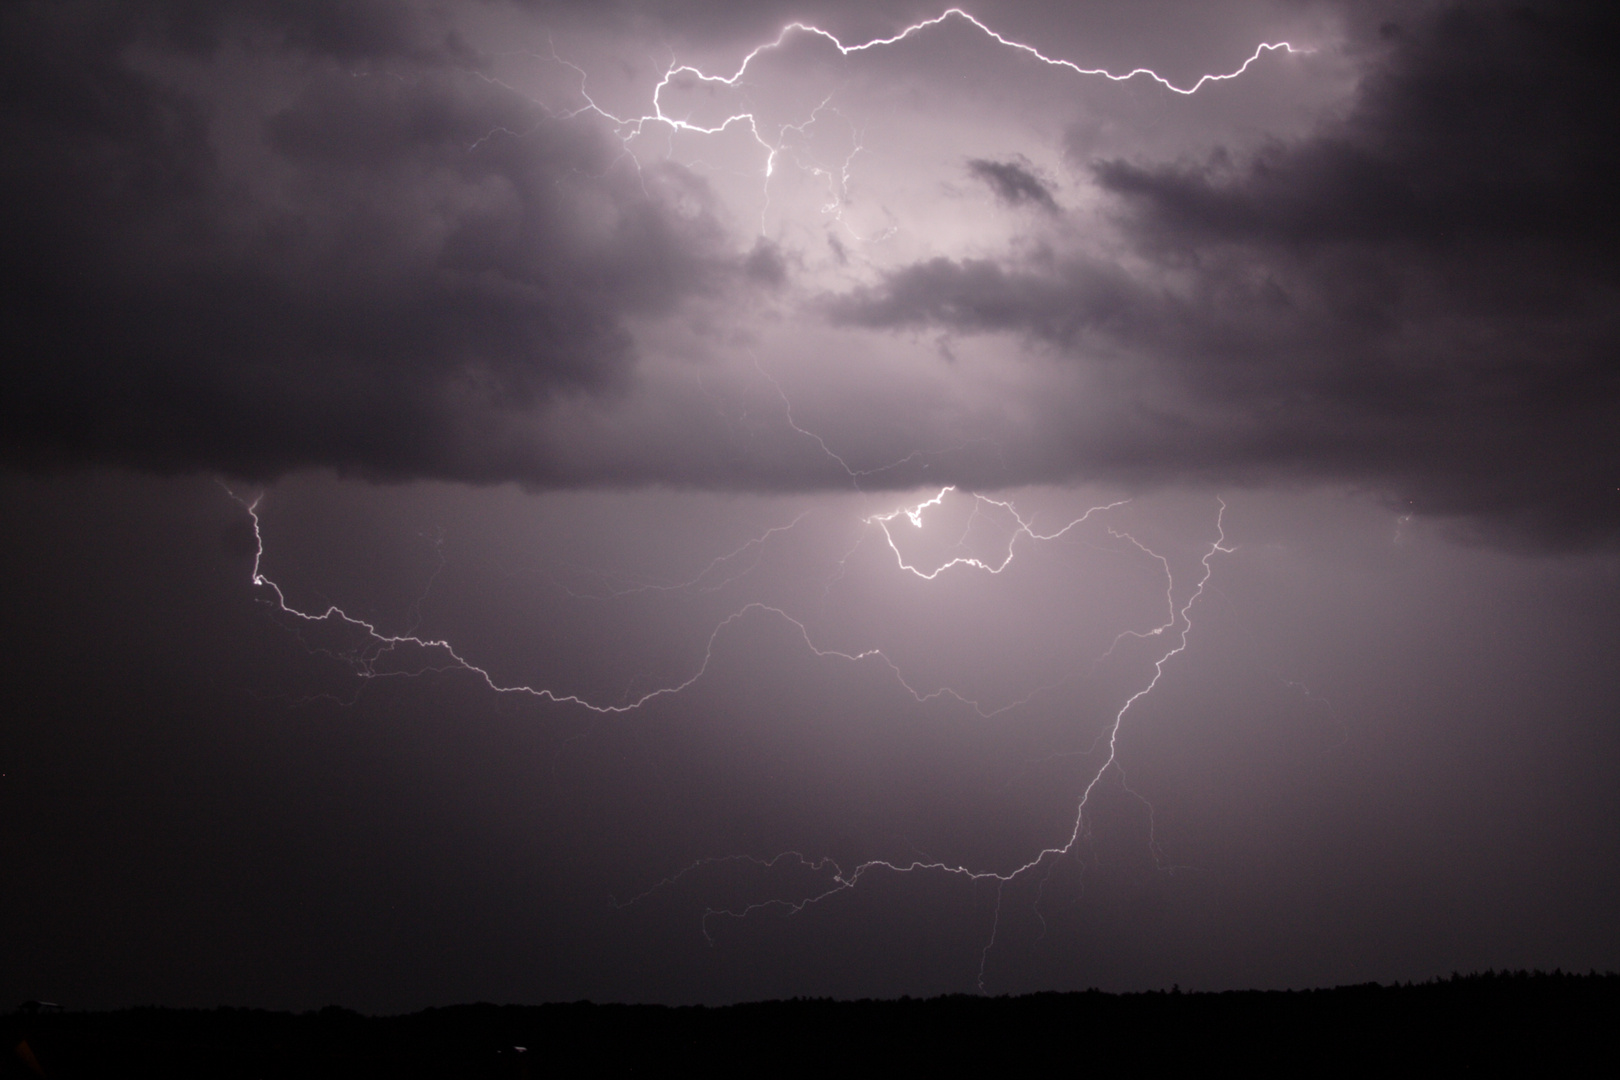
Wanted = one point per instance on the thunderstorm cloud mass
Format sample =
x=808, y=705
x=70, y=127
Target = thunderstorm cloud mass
x=701, y=501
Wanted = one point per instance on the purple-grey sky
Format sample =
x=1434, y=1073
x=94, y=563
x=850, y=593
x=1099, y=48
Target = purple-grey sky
x=594, y=369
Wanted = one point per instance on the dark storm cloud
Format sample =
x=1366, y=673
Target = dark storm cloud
x=1013, y=183
x=1422, y=295
x=344, y=250
x=262, y=235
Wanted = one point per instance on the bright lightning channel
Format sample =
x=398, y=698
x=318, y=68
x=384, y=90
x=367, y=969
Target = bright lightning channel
x=365, y=664
x=1179, y=624
x=914, y=514
x=630, y=127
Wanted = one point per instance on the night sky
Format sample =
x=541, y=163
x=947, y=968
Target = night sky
x=738, y=514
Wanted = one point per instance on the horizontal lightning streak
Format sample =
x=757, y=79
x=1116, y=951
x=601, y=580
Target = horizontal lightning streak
x=632, y=126
x=456, y=662
x=917, y=28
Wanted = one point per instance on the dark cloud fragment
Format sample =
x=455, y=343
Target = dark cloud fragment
x=1423, y=295
x=1014, y=183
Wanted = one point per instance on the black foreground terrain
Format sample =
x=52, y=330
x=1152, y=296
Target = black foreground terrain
x=1556, y=1024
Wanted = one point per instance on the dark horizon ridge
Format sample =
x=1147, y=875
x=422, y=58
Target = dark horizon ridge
x=1553, y=1019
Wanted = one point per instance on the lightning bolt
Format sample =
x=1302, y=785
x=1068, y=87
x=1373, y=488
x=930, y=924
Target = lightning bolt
x=837, y=879
x=439, y=655
x=631, y=127
x=1179, y=625
x=368, y=662
x=914, y=514
x=945, y=16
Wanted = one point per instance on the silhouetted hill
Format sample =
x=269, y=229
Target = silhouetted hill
x=1553, y=1023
